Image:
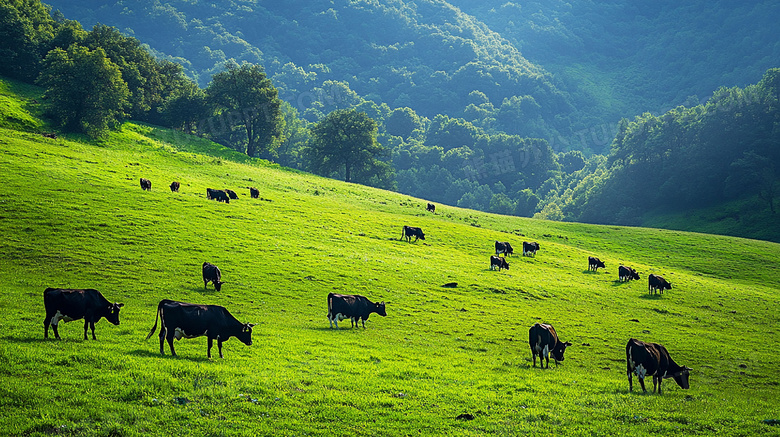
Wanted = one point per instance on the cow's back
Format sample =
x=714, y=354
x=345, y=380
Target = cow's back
x=542, y=334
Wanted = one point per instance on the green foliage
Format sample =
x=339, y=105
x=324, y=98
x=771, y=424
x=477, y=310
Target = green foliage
x=345, y=143
x=84, y=89
x=248, y=99
x=185, y=107
x=25, y=31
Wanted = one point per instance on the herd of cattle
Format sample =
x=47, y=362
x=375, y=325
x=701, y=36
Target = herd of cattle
x=219, y=195
x=186, y=320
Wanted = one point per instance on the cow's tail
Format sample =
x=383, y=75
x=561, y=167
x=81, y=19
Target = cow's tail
x=330, y=304
x=156, y=318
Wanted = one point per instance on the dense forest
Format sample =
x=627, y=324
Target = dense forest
x=456, y=113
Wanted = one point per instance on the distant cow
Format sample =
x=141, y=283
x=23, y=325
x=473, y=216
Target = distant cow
x=544, y=342
x=353, y=307
x=409, y=232
x=175, y=187
x=212, y=274
x=627, y=274
x=529, y=249
x=187, y=320
x=146, y=184
x=64, y=304
x=232, y=194
x=218, y=195
x=254, y=193
x=497, y=261
x=504, y=247
x=432, y=208
x=658, y=283
x=594, y=263
x=653, y=359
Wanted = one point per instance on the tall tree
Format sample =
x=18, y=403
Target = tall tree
x=25, y=31
x=85, y=90
x=345, y=140
x=247, y=98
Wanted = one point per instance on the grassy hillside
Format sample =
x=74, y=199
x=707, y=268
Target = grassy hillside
x=73, y=215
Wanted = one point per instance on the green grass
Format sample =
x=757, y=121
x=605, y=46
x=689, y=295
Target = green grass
x=73, y=215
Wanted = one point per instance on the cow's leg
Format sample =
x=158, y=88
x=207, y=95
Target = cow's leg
x=92, y=327
x=630, y=372
x=533, y=355
x=162, y=341
x=642, y=383
x=86, y=325
x=364, y=323
x=219, y=346
x=205, y=282
x=46, y=322
x=210, y=343
x=657, y=382
x=56, y=330
x=169, y=337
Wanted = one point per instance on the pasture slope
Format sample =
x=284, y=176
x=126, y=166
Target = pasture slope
x=73, y=215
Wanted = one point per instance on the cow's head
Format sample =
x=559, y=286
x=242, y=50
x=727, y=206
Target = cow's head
x=380, y=309
x=558, y=350
x=421, y=236
x=681, y=378
x=218, y=285
x=245, y=336
x=504, y=264
x=112, y=312
x=634, y=274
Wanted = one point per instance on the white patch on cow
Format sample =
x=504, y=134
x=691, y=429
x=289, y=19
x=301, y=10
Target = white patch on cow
x=546, y=350
x=179, y=333
x=639, y=370
x=55, y=320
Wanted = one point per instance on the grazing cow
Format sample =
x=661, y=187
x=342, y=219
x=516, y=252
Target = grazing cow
x=627, y=274
x=64, y=304
x=218, y=195
x=353, y=307
x=594, y=263
x=409, y=232
x=146, y=184
x=529, y=249
x=498, y=261
x=212, y=274
x=254, y=192
x=432, y=208
x=657, y=283
x=175, y=187
x=504, y=247
x=187, y=320
x=544, y=342
x=653, y=359
x=232, y=194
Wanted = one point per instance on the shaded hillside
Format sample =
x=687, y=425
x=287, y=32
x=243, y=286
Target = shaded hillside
x=626, y=58
x=426, y=55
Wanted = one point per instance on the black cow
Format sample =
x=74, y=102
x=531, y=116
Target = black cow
x=232, y=194
x=529, y=249
x=254, y=192
x=187, y=320
x=218, y=195
x=64, y=304
x=594, y=263
x=432, y=208
x=409, y=232
x=146, y=184
x=175, y=187
x=353, y=307
x=653, y=359
x=498, y=261
x=658, y=283
x=212, y=274
x=504, y=247
x=544, y=342
x=627, y=274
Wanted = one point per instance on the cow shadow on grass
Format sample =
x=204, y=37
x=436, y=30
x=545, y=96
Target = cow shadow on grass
x=651, y=296
x=591, y=272
x=145, y=353
x=28, y=340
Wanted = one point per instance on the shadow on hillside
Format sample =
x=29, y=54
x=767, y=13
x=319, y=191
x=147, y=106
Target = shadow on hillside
x=618, y=283
x=591, y=272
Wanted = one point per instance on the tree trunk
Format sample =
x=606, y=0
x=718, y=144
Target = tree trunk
x=348, y=173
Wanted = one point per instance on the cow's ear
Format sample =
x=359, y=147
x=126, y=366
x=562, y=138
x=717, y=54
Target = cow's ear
x=250, y=325
x=119, y=305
